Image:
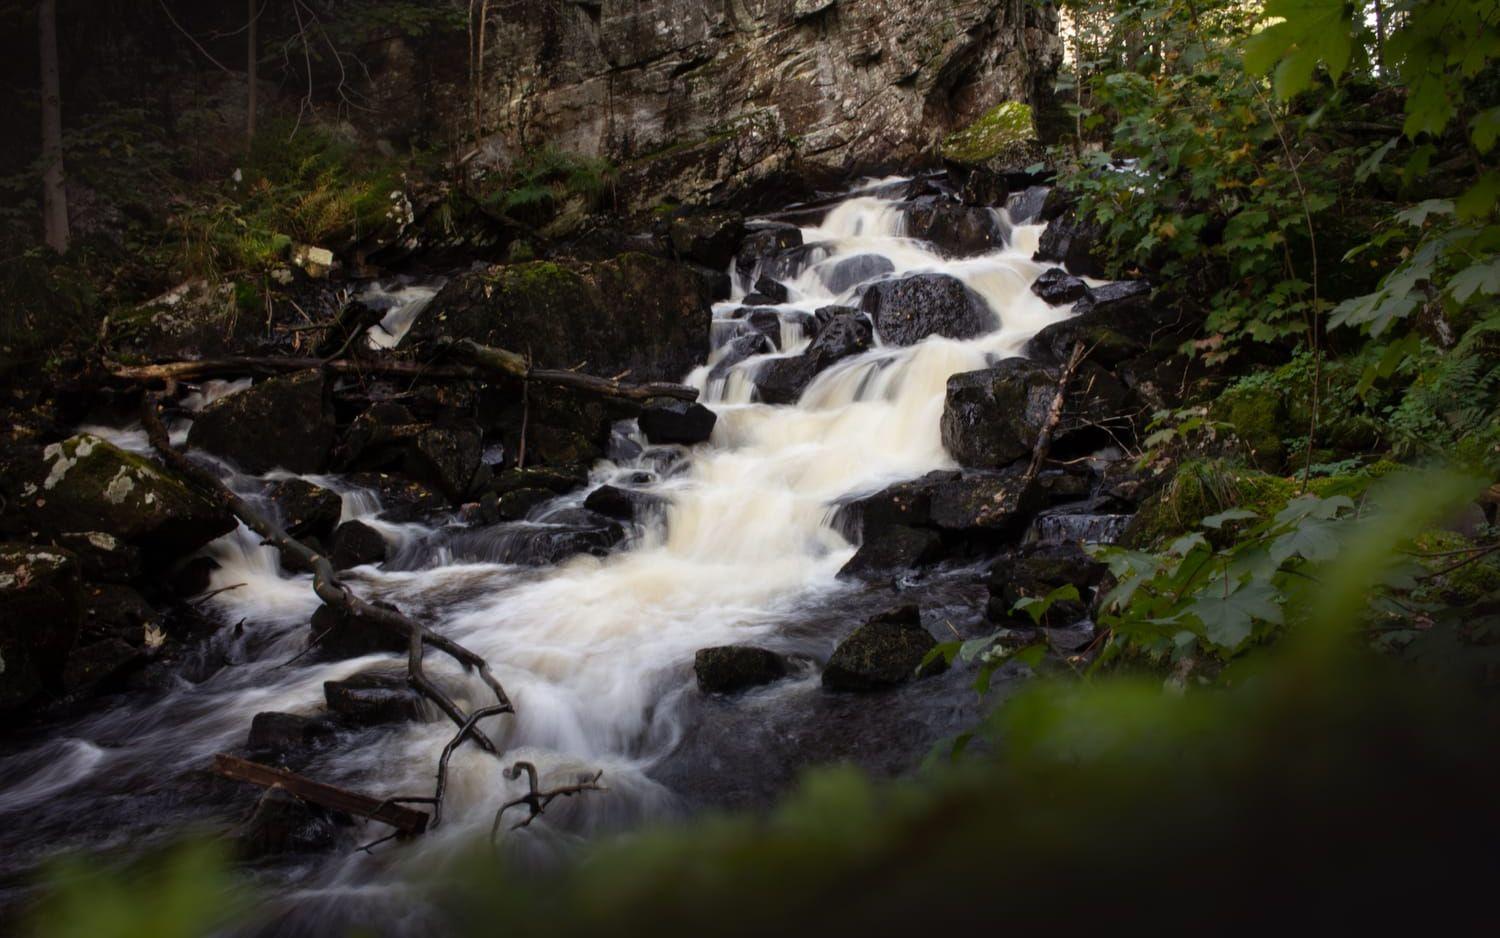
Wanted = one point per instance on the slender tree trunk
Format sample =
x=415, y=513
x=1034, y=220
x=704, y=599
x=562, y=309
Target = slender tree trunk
x=1380, y=35
x=251, y=65
x=54, y=197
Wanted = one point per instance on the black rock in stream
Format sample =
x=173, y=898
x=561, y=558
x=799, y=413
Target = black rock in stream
x=280, y=423
x=886, y=651
x=910, y=309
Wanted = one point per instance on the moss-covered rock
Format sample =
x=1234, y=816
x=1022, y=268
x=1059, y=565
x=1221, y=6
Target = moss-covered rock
x=87, y=484
x=1203, y=487
x=1259, y=418
x=882, y=653
x=1002, y=134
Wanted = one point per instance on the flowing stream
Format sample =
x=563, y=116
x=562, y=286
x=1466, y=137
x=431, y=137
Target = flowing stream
x=595, y=652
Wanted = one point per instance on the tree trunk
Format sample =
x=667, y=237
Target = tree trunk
x=54, y=197
x=252, y=55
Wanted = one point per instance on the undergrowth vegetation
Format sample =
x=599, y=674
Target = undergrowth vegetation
x=1315, y=182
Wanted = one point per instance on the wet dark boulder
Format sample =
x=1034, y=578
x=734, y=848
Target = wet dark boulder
x=790, y=264
x=307, y=510
x=893, y=549
x=782, y=380
x=282, y=824
x=1116, y=322
x=1025, y=207
x=371, y=698
x=1058, y=287
x=1036, y=571
x=991, y=418
x=560, y=480
x=120, y=631
x=669, y=420
x=1121, y=299
x=767, y=322
x=762, y=241
x=983, y=504
x=707, y=238
x=102, y=557
x=549, y=539
x=1075, y=243
x=772, y=289
x=356, y=544
x=956, y=230
x=910, y=309
x=729, y=668
x=388, y=437
x=743, y=346
x=518, y=503
x=85, y=484
x=853, y=271
x=757, y=299
x=42, y=598
x=280, y=423
x=336, y=635
x=634, y=313
x=288, y=738
x=624, y=504
x=885, y=652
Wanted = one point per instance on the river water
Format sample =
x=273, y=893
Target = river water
x=595, y=652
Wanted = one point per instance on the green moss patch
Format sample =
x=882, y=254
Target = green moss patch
x=1004, y=129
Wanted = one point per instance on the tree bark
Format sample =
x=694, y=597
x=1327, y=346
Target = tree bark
x=480, y=362
x=54, y=196
x=252, y=63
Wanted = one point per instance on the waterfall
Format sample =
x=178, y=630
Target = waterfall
x=596, y=652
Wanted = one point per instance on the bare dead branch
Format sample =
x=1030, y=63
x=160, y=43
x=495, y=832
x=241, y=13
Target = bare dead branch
x=537, y=800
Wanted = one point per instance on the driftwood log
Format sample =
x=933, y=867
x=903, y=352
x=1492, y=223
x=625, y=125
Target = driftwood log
x=475, y=362
x=406, y=821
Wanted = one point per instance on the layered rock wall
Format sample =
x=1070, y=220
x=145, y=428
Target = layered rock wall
x=696, y=98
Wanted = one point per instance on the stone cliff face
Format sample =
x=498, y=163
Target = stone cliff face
x=698, y=99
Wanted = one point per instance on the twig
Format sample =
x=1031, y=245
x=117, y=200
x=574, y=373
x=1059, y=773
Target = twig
x=537, y=800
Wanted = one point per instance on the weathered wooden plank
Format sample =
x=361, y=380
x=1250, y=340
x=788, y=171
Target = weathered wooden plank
x=404, y=819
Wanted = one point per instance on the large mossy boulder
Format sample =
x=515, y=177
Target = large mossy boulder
x=280, y=423
x=885, y=652
x=42, y=598
x=85, y=484
x=910, y=309
x=637, y=314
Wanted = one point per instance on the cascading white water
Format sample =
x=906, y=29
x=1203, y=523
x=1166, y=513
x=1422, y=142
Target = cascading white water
x=596, y=652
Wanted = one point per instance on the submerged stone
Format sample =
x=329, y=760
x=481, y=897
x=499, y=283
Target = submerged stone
x=729, y=668
x=884, y=652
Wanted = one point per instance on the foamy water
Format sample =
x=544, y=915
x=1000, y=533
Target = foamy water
x=596, y=652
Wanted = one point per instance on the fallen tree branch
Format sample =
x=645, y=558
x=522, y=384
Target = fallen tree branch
x=330, y=588
x=480, y=362
x=404, y=820
x=537, y=800
x=1054, y=415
